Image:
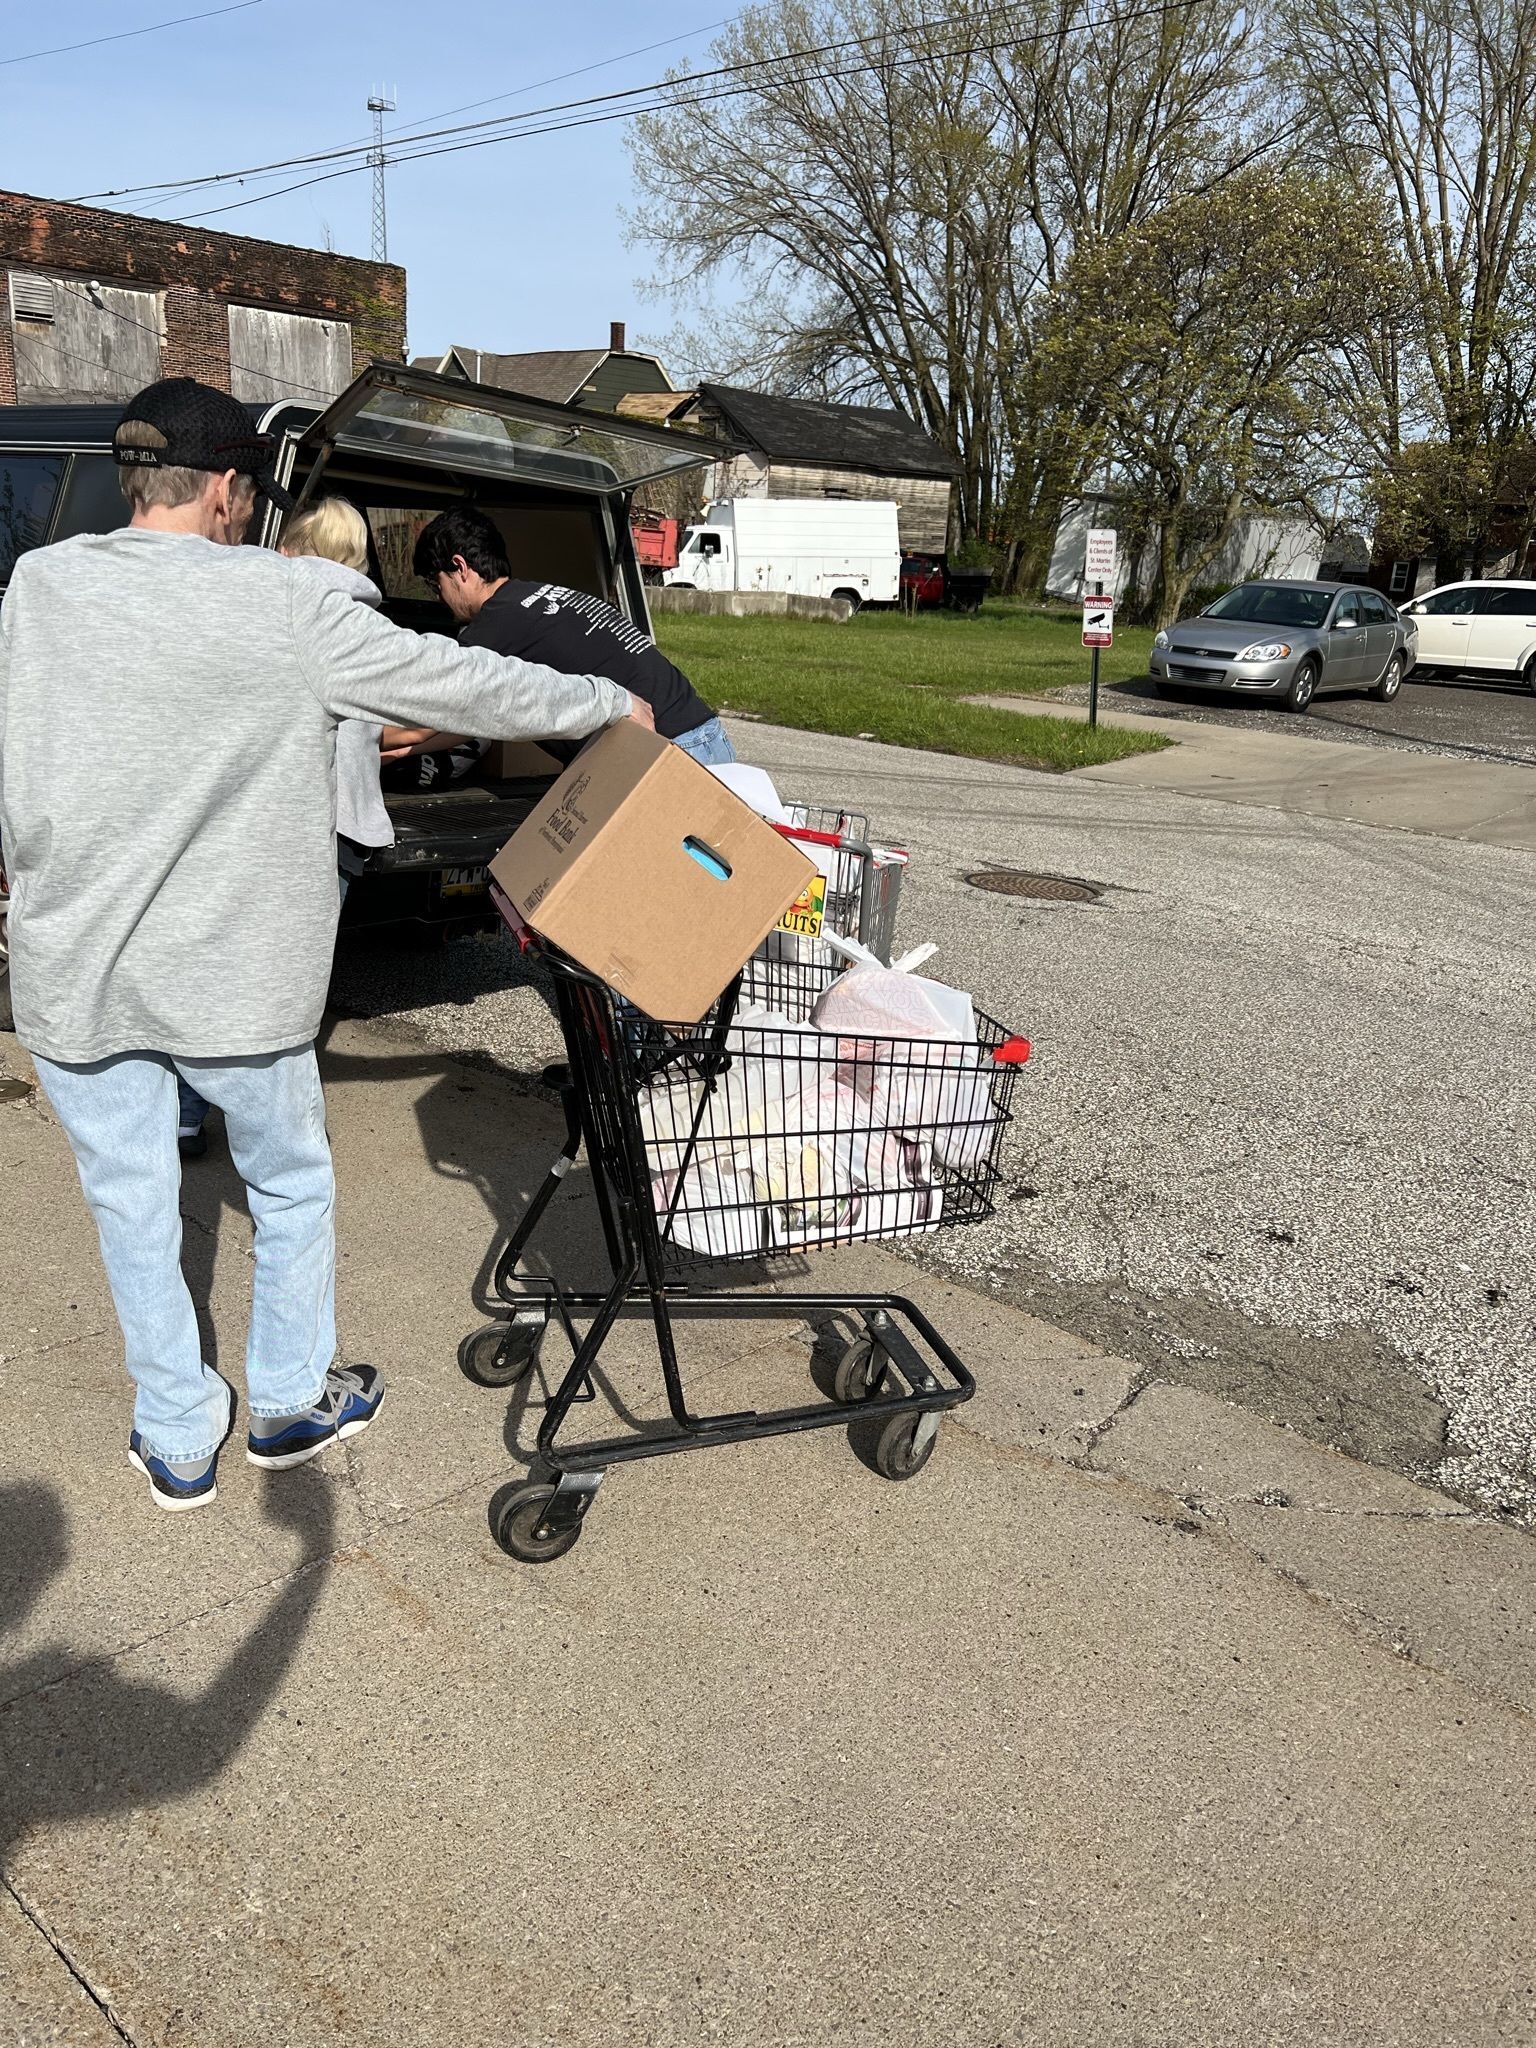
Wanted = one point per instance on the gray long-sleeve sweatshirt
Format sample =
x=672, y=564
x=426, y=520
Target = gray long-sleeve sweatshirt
x=168, y=711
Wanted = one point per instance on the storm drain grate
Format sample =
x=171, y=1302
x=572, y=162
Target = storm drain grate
x=1046, y=888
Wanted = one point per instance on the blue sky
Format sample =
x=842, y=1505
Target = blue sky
x=516, y=246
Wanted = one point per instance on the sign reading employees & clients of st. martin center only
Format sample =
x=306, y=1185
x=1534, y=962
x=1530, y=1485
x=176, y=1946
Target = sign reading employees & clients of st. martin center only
x=1101, y=555
x=1098, y=622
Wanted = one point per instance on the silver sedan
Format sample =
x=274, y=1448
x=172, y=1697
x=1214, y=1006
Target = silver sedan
x=1283, y=641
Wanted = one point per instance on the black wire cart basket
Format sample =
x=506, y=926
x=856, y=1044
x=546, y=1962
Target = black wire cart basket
x=748, y=1137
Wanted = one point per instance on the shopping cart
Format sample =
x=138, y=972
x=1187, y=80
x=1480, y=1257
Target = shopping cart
x=870, y=1139
x=863, y=890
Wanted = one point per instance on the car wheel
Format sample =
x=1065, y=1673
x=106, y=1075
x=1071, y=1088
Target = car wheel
x=1303, y=688
x=1530, y=674
x=1391, y=681
x=850, y=598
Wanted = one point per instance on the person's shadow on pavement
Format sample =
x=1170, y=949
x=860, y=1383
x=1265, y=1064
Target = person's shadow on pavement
x=80, y=1738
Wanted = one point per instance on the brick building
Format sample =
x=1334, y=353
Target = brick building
x=94, y=305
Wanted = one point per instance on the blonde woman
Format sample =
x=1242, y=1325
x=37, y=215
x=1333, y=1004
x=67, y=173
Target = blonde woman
x=331, y=538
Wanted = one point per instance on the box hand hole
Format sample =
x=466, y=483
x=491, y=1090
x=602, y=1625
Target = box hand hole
x=710, y=861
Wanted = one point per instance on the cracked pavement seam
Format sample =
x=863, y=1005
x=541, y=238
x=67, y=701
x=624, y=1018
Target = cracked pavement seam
x=33, y=1916
x=1355, y=1620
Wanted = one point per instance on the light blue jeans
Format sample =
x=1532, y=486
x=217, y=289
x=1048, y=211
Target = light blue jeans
x=707, y=743
x=119, y=1115
x=191, y=1108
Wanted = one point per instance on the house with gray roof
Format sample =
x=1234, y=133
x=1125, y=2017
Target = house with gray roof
x=806, y=448
x=594, y=378
x=787, y=447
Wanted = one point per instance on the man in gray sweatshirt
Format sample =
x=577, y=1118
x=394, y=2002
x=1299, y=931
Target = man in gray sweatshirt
x=168, y=708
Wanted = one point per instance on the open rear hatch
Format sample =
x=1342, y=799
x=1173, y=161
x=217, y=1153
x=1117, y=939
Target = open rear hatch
x=403, y=424
x=420, y=418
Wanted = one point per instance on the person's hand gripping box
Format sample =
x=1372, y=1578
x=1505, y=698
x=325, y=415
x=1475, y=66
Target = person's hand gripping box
x=648, y=871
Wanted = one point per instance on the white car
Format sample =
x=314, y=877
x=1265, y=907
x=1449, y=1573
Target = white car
x=1478, y=629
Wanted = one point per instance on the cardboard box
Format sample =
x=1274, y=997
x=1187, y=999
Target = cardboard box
x=519, y=761
x=649, y=872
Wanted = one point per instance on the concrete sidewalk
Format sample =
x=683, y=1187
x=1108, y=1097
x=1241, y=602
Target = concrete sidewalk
x=1130, y=1720
x=1436, y=794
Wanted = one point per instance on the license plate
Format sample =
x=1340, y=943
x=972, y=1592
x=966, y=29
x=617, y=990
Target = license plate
x=462, y=882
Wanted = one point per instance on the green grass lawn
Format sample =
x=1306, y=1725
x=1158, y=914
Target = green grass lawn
x=901, y=678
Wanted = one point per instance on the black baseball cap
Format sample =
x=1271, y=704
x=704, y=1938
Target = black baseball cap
x=193, y=426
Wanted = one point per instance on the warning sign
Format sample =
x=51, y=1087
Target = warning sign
x=1098, y=622
x=804, y=916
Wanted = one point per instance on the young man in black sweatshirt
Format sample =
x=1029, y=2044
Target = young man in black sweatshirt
x=462, y=557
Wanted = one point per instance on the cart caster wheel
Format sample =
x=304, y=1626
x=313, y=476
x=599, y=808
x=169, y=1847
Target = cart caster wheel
x=901, y=1453
x=857, y=1373
x=500, y=1354
x=518, y=1525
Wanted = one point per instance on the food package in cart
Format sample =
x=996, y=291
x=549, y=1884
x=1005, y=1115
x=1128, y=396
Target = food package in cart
x=718, y=1213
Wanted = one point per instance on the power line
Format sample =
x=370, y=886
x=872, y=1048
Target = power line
x=184, y=186
x=669, y=86
x=127, y=34
x=581, y=71
x=664, y=95
x=671, y=98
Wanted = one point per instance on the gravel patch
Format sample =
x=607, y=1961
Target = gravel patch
x=1461, y=720
x=1280, y=1124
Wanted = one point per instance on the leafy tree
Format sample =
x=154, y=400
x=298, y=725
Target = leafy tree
x=1212, y=324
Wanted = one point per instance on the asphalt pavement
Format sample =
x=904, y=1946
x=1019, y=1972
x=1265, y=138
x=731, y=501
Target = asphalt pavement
x=1279, y=1137
x=1476, y=720
x=1140, y=1716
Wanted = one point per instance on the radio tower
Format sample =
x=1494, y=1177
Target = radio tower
x=379, y=104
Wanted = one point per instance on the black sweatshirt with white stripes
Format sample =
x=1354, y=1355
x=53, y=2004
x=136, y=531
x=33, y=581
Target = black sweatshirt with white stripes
x=568, y=630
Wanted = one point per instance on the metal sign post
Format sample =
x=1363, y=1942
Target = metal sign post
x=1098, y=611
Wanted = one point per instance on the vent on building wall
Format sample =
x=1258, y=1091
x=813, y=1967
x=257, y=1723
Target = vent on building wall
x=32, y=298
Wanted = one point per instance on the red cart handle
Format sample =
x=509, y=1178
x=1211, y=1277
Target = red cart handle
x=1013, y=1052
x=805, y=832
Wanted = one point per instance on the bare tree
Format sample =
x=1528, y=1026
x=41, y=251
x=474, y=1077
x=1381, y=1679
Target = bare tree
x=1434, y=103
x=902, y=207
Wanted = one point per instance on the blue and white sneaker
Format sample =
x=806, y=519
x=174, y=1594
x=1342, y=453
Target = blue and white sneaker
x=175, y=1484
x=351, y=1399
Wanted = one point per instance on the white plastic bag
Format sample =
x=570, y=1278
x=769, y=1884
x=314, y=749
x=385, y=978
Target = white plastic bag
x=718, y=1212
x=937, y=1093
x=892, y=1002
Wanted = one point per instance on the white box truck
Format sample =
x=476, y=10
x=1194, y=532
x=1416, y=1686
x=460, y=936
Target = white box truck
x=812, y=547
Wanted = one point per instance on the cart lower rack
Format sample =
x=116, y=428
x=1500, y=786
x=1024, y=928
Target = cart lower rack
x=747, y=1137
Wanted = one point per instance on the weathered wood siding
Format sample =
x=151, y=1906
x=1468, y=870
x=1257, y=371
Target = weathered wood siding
x=287, y=355
x=89, y=350
x=924, y=501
